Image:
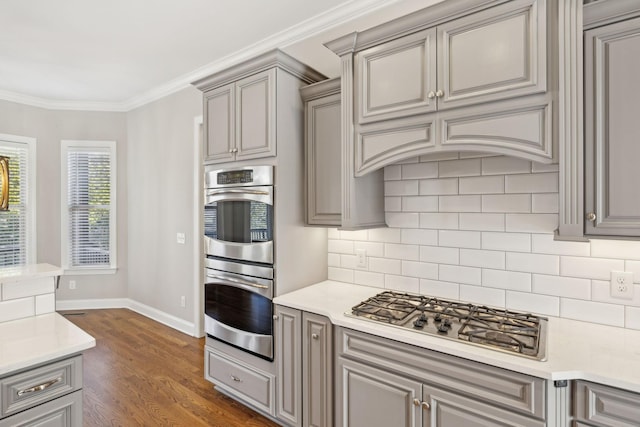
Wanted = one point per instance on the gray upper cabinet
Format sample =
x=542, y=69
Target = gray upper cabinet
x=241, y=106
x=612, y=152
x=470, y=75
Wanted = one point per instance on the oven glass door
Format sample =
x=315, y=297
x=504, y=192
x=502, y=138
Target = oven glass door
x=238, y=223
x=239, y=311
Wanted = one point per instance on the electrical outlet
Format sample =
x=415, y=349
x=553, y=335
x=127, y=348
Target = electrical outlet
x=180, y=238
x=361, y=258
x=72, y=284
x=183, y=301
x=622, y=284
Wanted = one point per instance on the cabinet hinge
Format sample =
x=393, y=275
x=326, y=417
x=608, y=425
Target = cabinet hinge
x=560, y=383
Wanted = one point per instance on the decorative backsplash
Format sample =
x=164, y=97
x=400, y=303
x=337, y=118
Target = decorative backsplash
x=480, y=229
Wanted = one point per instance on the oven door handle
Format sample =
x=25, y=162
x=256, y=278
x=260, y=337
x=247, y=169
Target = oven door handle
x=238, y=281
x=230, y=191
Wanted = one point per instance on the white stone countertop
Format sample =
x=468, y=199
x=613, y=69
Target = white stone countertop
x=575, y=350
x=11, y=274
x=39, y=339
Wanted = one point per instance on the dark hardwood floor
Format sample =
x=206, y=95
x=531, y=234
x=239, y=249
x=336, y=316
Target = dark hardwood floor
x=143, y=373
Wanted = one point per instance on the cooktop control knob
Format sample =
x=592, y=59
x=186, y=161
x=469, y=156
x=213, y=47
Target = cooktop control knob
x=420, y=322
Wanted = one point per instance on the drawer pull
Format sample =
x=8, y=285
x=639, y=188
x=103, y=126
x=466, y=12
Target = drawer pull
x=236, y=379
x=39, y=387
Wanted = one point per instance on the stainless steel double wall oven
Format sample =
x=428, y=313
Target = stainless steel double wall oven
x=239, y=247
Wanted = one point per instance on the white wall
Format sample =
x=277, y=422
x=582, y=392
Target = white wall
x=49, y=127
x=480, y=229
x=161, y=169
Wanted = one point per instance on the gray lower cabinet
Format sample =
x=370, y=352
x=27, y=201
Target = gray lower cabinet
x=597, y=405
x=47, y=395
x=335, y=196
x=612, y=152
x=380, y=382
x=304, y=368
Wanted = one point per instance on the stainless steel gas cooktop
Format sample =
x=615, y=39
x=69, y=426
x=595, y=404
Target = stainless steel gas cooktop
x=510, y=331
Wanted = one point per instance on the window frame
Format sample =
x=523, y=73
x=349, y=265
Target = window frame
x=30, y=211
x=75, y=145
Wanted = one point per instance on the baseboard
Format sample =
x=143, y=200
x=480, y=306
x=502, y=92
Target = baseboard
x=147, y=311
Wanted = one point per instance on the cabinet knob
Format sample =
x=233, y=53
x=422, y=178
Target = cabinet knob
x=315, y=336
x=416, y=402
x=425, y=406
x=591, y=216
x=431, y=95
x=439, y=93
x=275, y=317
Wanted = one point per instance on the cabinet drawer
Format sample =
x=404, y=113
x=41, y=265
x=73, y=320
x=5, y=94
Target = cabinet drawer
x=512, y=390
x=249, y=384
x=33, y=387
x=65, y=411
x=606, y=406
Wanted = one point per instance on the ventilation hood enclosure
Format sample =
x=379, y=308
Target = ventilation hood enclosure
x=463, y=75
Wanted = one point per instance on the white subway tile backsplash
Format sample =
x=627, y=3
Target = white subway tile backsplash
x=340, y=274
x=460, y=274
x=512, y=242
x=505, y=165
x=595, y=312
x=544, y=203
x=439, y=255
x=17, y=309
x=533, y=263
x=531, y=183
x=401, y=188
x=482, y=221
x=601, y=291
x=368, y=278
x=485, y=296
x=333, y=233
x=385, y=265
x=482, y=258
x=420, y=204
x=589, y=268
x=340, y=246
x=409, y=161
x=436, y=187
x=353, y=235
x=385, y=235
x=400, y=251
x=419, y=237
x=460, y=203
x=506, y=203
x=569, y=287
x=333, y=260
x=457, y=168
x=482, y=185
x=510, y=280
x=540, y=304
x=634, y=267
x=625, y=249
x=401, y=283
x=423, y=270
x=420, y=171
x=440, y=289
x=459, y=239
x=393, y=173
x=393, y=204
x=403, y=219
x=632, y=318
x=45, y=303
x=531, y=223
x=348, y=261
x=543, y=167
x=439, y=221
x=375, y=249
x=545, y=244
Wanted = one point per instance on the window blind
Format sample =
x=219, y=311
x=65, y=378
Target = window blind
x=13, y=223
x=89, y=200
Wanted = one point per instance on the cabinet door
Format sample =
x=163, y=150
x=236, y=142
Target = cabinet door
x=289, y=361
x=219, y=124
x=612, y=151
x=324, y=168
x=395, y=79
x=256, y=116
x=444, y=409
x=65, y=411
x=494, y=54
x=369, y=397
x=601, y=406
x=317, y=374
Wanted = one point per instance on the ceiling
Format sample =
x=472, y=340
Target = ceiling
x=119, y=54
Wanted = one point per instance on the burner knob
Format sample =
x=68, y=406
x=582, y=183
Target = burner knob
x=447, y=322
x=443, y=328
x=419, y=324
x=423, y=317
x=437, y=318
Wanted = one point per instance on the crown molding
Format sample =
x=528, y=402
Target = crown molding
x=308, y=28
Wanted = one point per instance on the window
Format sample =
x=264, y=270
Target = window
x=89, y=206
x=17, y=225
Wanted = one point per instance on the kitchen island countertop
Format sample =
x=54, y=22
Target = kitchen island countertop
x=575, y=349
x=39, y=339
